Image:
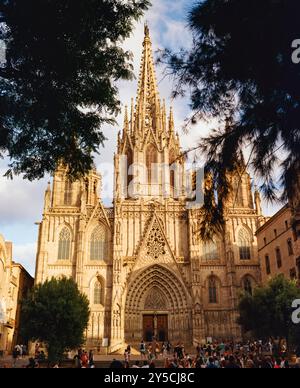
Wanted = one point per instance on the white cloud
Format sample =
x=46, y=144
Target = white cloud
x=25, y=254
x=20, y=200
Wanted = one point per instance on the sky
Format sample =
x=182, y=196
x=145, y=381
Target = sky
x=21, y=202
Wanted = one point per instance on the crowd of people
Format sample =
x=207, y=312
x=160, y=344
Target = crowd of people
x=19, y=352
x=222, y=355
x=214, y=355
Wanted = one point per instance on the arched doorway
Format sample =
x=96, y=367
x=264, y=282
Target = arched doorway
x=155, y=324
x=157, y=305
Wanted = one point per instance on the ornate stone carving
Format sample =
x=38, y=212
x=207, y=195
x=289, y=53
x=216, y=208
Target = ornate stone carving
x=118, y=233
x=155, y=300
x=156, y=244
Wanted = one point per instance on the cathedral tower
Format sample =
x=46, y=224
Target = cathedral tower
x=149, y=162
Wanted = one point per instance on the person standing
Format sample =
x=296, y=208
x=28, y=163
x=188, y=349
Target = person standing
x=126, y=356
x=146, y=365
x=211, y=364
x=169, y=348
x=176, y=351
x=136, y=365
x=129, y=351
x=36, y=350
x=164, y=350
x=232, y=364
x=91, y=358
x=15, y=355
x=143, y=349
x=181, y=352
x=84, y=360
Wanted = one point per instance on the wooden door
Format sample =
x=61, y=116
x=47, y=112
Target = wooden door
x=162, y=328
x=148, y=327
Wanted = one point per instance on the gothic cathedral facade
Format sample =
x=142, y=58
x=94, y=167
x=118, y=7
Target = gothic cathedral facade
x=141, y=263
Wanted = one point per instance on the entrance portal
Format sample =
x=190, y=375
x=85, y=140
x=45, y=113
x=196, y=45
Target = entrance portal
x=155, y=326
x=157, y=306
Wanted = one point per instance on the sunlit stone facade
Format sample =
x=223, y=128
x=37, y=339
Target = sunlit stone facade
x=141, y=262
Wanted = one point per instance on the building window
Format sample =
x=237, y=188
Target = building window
x=293, y=274
x=265, y=241
x=245, y=244
x=213, y=292
x=98, y=245
x=248, y=286
x=172, y=168
x=97, y=293
x=130, y=166
x=87, y=185
x=68, y=193
x=278, y=258
x=64, y=245
x=238, y=198
x=286, y=225
x=151, y=161
x=210, y=251
x=95, y=187
x=290, y=247
x=275, y=233
x=268, y=265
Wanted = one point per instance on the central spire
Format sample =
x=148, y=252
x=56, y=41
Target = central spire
x=147, y=87
x=148, y=110
x=147, y=122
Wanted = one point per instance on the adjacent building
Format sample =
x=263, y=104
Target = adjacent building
x=277, y=246
x=5, y=275
x=22, y=282
x=15, y=282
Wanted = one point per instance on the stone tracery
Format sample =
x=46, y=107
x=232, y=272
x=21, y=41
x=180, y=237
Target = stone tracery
x=156, y=244
x=155, y=300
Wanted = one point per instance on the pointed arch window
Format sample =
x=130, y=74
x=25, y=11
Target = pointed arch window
x=68, y=192
x=238, y=198
x=151, y=161
x=290, y=247
x=64, y=244
x=278, y=258
x=98, y=245
x=245, y=245
x=210, y=251
x=172, y=168
x=213, y=290
x=247, y=284
x=97, y=293
x=268, y=264
x=129, y=166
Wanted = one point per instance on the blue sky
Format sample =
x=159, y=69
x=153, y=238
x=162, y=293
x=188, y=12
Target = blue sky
x=21, y=202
